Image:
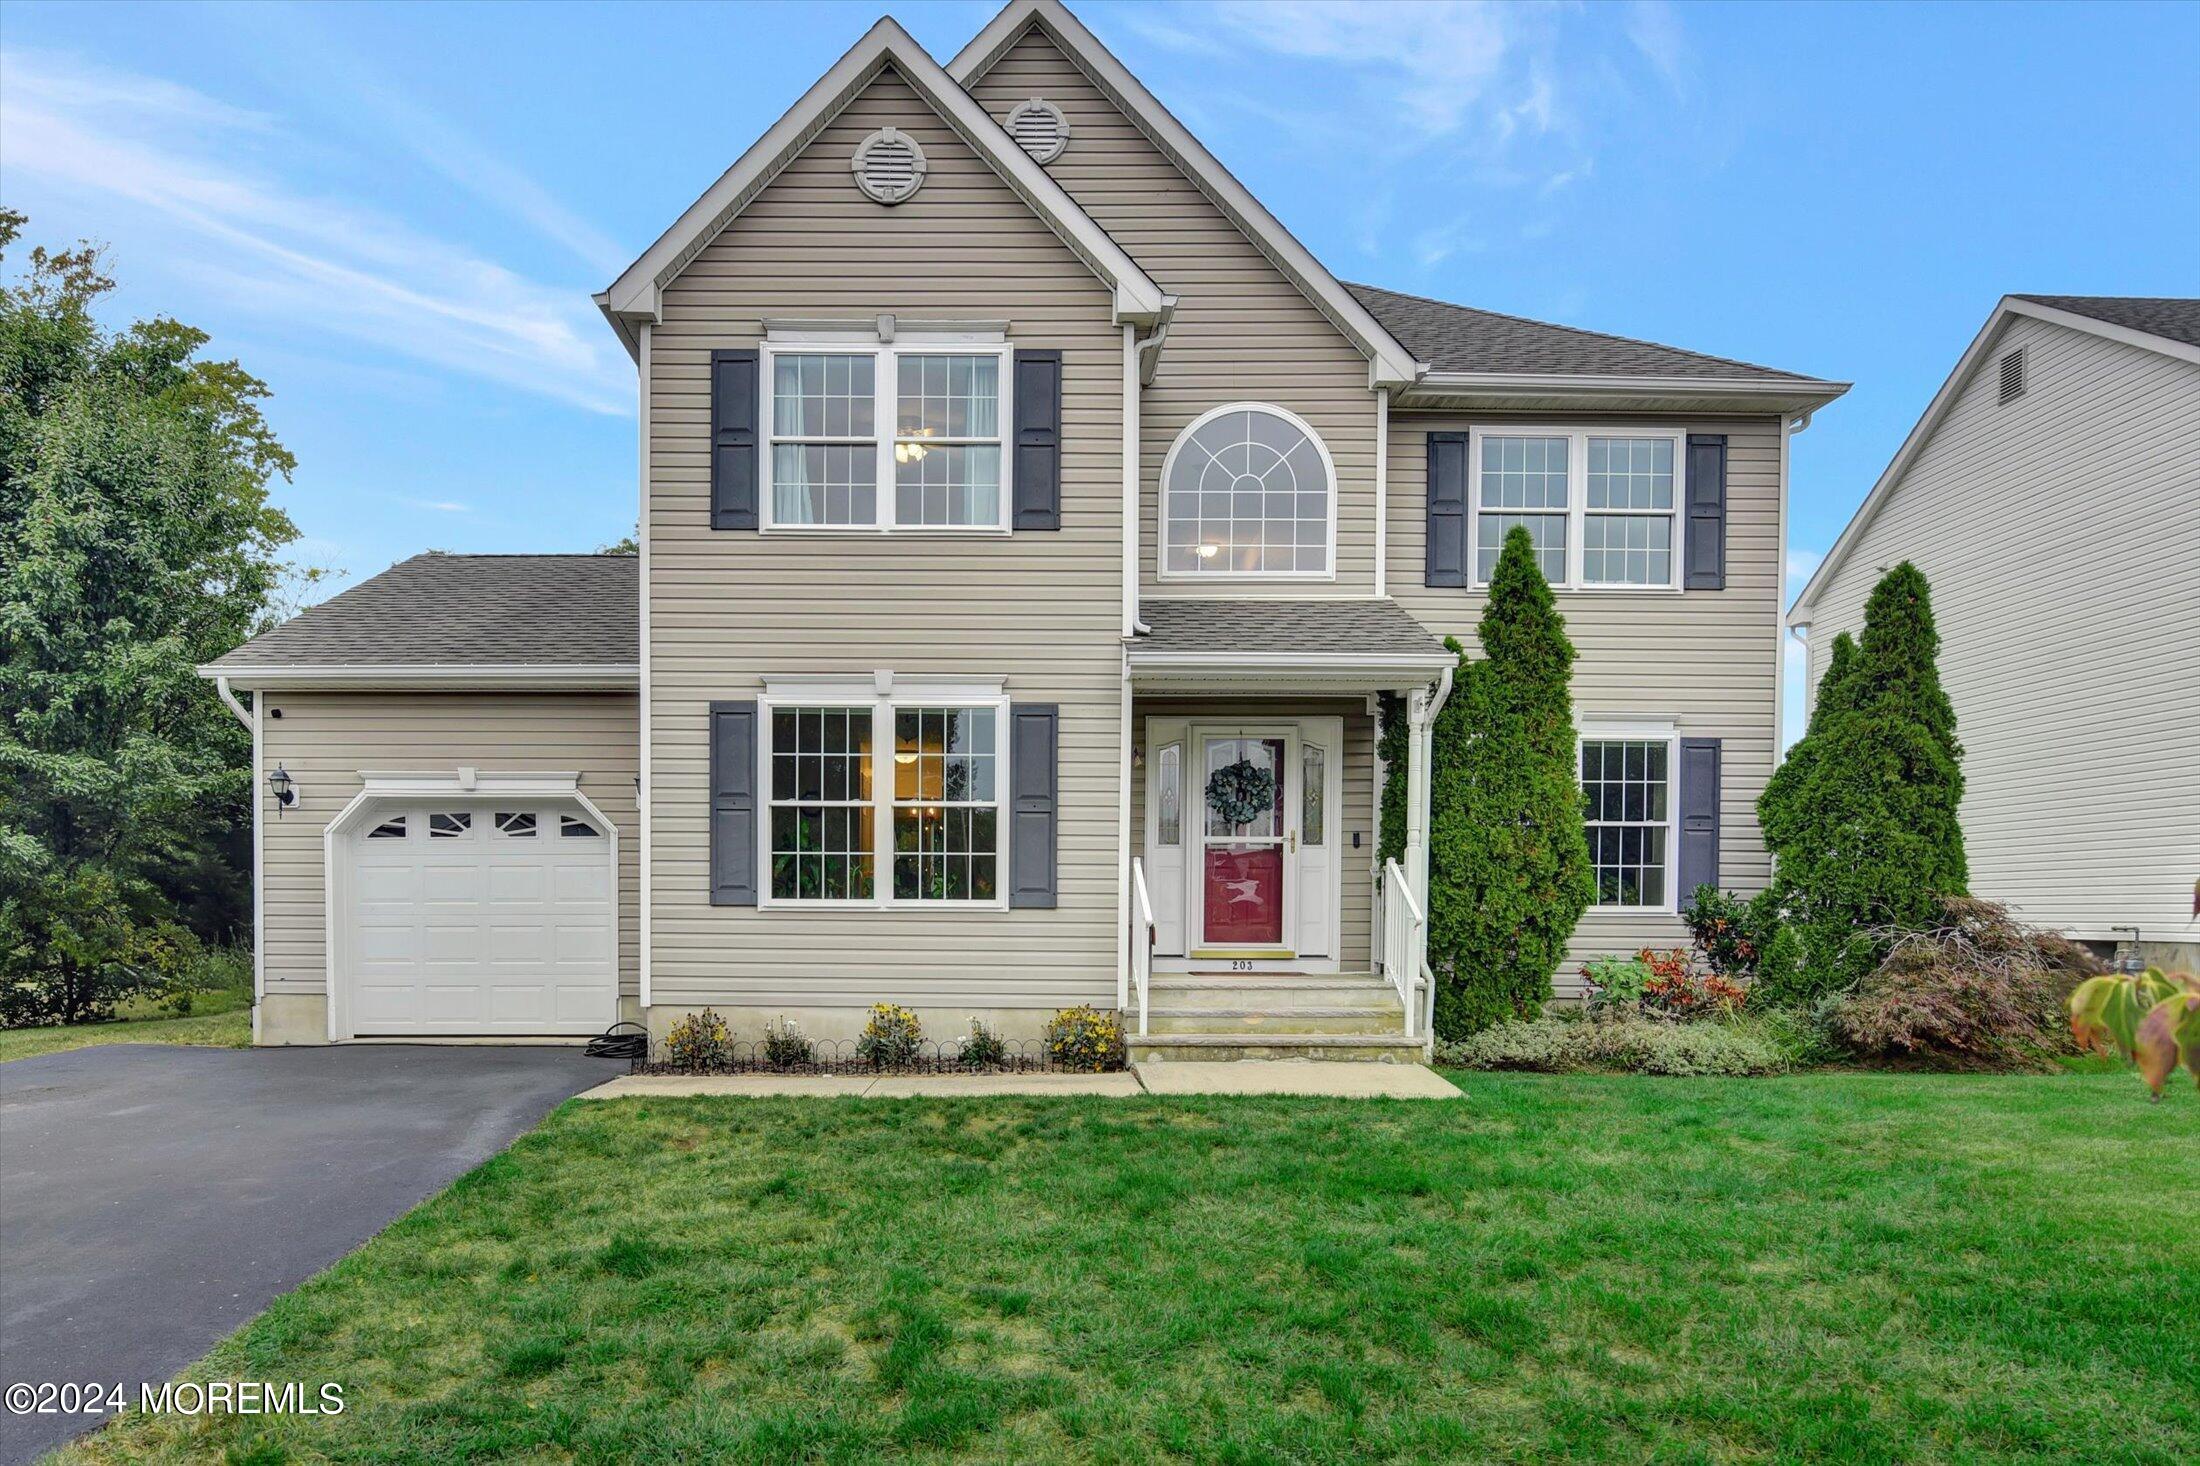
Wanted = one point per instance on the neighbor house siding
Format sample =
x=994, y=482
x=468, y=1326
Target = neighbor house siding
x=1242, y=331
x=1041, y=610
x=1706, y=660
x=2061, y=535
x=326, y=739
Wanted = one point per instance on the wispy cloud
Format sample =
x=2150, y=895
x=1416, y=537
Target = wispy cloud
x=437, y=506
x=1441, y=61
x=184, y=161
x=1802, y=563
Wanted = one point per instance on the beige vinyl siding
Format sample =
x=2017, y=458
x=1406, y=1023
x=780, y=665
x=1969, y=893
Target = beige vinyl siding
x=1242, y=331
x=325, y=740
x=2061, y=534
x=1355, y=813
x=1705, y=660
x=1041, y=610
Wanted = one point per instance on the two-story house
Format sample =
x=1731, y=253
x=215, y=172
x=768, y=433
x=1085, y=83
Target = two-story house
x=1029, y=525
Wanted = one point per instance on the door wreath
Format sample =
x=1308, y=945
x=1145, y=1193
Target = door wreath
x=1242, y=792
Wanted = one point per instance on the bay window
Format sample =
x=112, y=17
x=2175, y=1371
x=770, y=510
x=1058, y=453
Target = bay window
x=907, y=436
x=1601, y=507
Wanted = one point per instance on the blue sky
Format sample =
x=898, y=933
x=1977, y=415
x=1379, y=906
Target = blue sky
x=395, y=214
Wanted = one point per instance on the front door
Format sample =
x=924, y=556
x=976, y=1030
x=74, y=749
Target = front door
x=1245, y=788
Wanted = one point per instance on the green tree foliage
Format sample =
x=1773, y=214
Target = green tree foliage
x=1391, y=746
x=136, y=541
x=1509, y=868
x=1862, y=818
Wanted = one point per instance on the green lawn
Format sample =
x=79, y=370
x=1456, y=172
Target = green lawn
x=1851, y=1267
x=221, y=1020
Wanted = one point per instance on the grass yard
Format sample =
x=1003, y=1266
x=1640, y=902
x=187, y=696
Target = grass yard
x=222, y=1020
x=1852, y=1267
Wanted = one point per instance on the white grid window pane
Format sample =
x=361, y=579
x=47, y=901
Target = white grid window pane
x=1248, y=494
x=824, y=483
x=1625, y=800
x=1547, y=530
x=947, y=485
x=820, y=831
x=948, y=397
x=1631, y=473
x=1524, y=473
x=1627, y=549
x=946, y=804
x=823, y=396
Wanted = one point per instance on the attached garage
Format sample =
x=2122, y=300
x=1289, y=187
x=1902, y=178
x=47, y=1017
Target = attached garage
x=494, y=916
x=447, y=828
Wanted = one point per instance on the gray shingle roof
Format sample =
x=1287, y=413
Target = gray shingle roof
x=1458, y=338
x=1318, y=628
x=2173, y=318
x=470, y=610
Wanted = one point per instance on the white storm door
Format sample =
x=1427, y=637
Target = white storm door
x=1320, y=802
x=1242, y=886
x=480, y=919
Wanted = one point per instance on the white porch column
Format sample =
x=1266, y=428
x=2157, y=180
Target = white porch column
x=1419, y=718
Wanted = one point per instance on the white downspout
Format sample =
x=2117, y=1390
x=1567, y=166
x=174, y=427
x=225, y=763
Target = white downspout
x=1382, y=491
x=1123, y=851
x=1132, y=508
x=259, y=854
x=642, y=781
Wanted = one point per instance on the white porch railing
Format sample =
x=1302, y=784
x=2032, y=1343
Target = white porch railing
x=1142, y=940
x=1403, y=929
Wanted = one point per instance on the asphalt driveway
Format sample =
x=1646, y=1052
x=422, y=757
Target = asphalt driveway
x=153, y=1198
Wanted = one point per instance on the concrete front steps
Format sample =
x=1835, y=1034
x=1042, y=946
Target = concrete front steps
x=1201, y=1016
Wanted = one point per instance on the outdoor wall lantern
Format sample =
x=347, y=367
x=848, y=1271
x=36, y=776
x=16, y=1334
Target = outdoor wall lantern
x=284, y=788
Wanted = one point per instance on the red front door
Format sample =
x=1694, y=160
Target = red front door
x=1242, y=866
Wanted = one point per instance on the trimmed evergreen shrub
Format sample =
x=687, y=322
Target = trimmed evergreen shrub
x=1628, y=1045
x=1391, y=746
x=1781, y=976
x=1509, y=871
x=1862, y=818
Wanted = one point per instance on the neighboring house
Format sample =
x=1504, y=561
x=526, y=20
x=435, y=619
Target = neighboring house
x=2051, y=494
x=1008, y=471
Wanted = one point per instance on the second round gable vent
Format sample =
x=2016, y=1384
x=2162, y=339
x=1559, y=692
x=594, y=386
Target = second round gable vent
x=888, y=165
x=1039, y=128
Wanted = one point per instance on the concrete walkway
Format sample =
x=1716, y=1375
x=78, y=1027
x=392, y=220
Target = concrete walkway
x=1363, y=1081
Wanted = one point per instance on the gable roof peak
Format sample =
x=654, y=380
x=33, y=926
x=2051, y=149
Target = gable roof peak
x=1390, y=362
x=636, y=296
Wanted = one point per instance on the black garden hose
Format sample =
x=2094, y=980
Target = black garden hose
x=612, y=1043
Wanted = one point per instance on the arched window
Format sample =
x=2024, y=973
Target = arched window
x=1248, y=489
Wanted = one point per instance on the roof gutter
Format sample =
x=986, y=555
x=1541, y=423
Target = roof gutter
x=505, y=677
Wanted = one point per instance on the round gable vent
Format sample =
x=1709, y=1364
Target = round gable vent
x=1039, y=128
x=888, y=165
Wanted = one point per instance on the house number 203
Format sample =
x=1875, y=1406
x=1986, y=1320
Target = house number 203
x=1241, y=964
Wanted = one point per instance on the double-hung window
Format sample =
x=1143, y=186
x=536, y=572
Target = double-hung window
x=1627, y=810
x=1602, y=508
x=909, y=436
x=886, y=801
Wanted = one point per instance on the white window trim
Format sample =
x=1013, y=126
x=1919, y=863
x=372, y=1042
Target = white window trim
x=1168, y=465
x=1577, y=500
x=1589, y=731
x=885, y=383
x=903, y=693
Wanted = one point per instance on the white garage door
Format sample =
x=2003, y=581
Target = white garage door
x=480, y=919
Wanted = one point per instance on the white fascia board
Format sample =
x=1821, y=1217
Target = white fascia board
x=1325, y=663
x=459, y=782
x=1390, y=364
x=432, y=676
x=1943, y=402
x=635, y=296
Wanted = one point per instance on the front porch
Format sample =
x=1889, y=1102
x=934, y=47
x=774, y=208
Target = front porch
x=1262, y=923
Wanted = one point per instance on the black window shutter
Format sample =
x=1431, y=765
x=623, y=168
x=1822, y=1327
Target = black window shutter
x=733, y=451
x=1038, y=465
x=1033, y=812
x=1706, y=527
x=1699, y=858
x=1447, y=509
x=733, y=780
